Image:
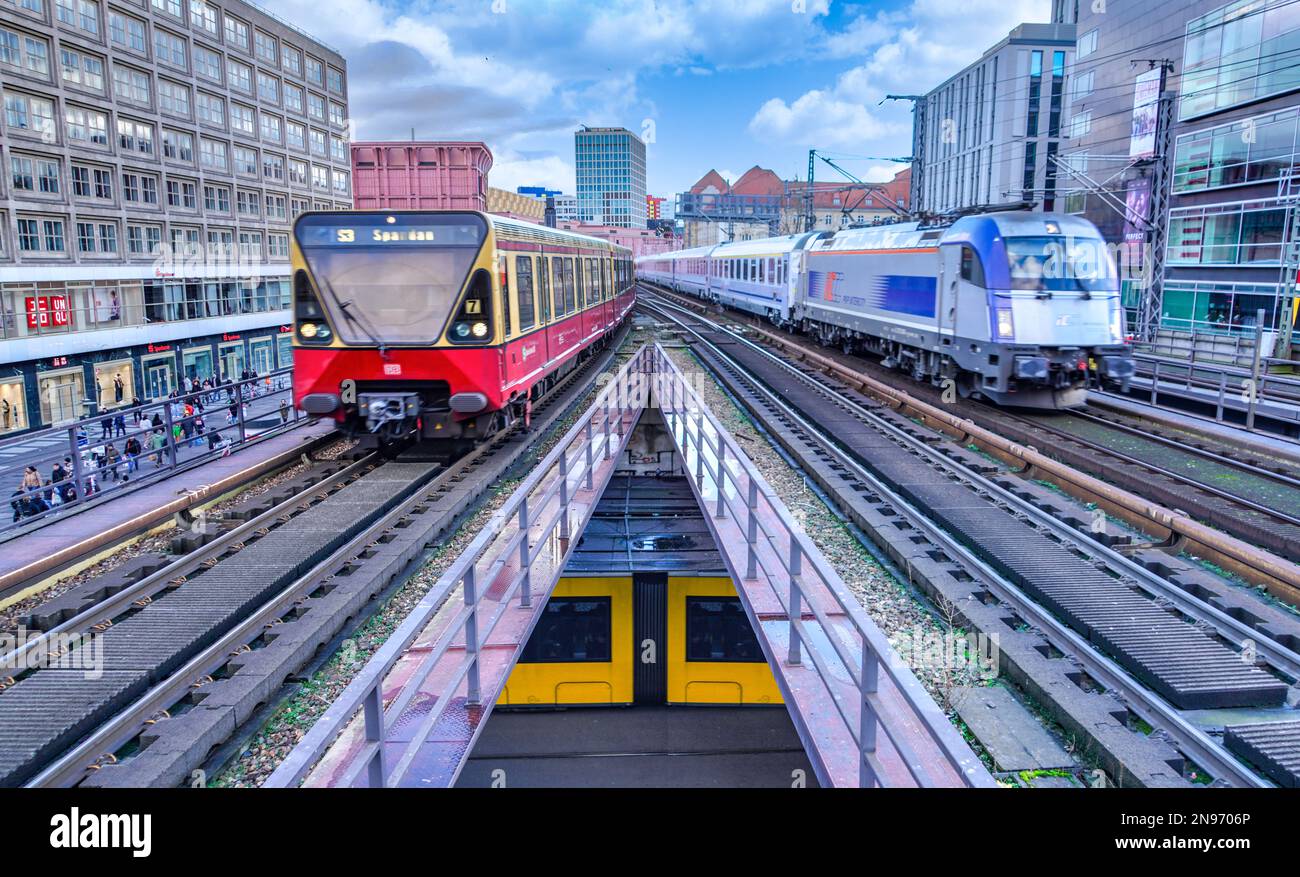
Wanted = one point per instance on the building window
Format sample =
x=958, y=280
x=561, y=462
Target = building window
x=1082, y=85
x=1240, y=52
x=173, y=98
x=103, y=184
x=24, y=53
x=178, y=146
x=293, y=60
x=169, y=48
x=318, y=143
x=336, y=81
x=1080, y=124
x=315, y=71
x=250, y=245
x=341, y=182
x=293, y=98
x=241, y=76
x=275, y=208
x=85, y=71
x=268, y=88
x=126, y=31
x=171, y=7
x=297, y=172
x=248, y=203
x=299, y=206
x=87, y=126
x=272, y=166
x=212, y=110
x=135, y=136
x=245, y=161
x=203, y=17
x=40, y=235
x=212, y=154
x=139, y=188
x=143, y=240
x=182, y=194
x=270, y=128
x=216, y=198
x=22, y=177
x=1246, y=151
x=207, y=63
x=316, y=106
x=241, y=119
x=131, y=85
x=81, y=14
x=337, y=115
x=320, y=177
x=338, y=149
x=265, y=47
x=1248, y=233
x=32, y=115
x=277, y=245
x=96, y=237
x=296, y=136
x=1087, y=44
x=236, y=33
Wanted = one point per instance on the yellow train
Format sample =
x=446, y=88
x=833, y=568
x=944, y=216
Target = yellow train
x=645, y=613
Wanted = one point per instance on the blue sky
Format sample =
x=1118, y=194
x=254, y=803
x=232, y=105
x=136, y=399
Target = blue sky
x=723, y=84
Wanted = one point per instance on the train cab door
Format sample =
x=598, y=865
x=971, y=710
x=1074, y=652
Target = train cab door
x=949, y=287
x=650, y=637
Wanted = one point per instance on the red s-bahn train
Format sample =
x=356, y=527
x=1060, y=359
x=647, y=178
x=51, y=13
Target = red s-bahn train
x=444, y=326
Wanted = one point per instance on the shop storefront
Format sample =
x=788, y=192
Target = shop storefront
x=13, y=404
x=284, y=343
x=159, y=370
x=62, y=395
x=261, y=354
x=197, y=364
x=115, y=382
x=233, y=363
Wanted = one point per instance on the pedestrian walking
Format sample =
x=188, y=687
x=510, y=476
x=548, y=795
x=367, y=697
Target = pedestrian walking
x=132, y=452
x=284, y=411
x=119, y=426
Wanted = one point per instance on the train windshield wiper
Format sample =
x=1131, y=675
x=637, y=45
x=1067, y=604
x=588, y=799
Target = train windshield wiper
x=354, y=319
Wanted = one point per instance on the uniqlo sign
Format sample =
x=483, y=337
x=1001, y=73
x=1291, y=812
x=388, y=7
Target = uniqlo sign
x=47, y=310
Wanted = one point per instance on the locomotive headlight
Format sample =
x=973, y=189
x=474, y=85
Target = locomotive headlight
x=480, y=330
x=462, y=330
x=1006, y=327
x=308, y=330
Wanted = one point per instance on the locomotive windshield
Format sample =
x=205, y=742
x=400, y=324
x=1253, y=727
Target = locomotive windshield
x=1060, y=264
x=394, y=277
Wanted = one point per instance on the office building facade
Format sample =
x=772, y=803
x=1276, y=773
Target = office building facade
x=611, y=181
x=155, y=154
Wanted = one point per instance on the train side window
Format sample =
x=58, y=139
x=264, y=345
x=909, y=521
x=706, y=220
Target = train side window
x=717, y=629
x=580, y=285
x=524, y=292
x=571, y=629
x=972, y=269
x=568, y=286
x=557, y=285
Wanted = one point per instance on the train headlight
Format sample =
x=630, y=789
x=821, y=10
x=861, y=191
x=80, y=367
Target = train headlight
x=480, y=330
x=308, y=330
x=319, y=332
x=1006, y=326
x=462, y=330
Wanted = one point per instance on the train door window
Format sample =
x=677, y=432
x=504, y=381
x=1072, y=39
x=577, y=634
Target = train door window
x=571, y=630
x=568, y=286
x=579, y=285
x=505, y=302
x=717, y=629
x=771, y=270
x=544, y=288
x=524, y=292
x=972, y=269
x=557, y=285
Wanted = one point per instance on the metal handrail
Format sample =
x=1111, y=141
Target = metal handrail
x=804, y=557
x=84, y=435
x=605, y=420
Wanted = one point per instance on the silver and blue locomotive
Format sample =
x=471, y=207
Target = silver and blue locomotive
x=1017, y=307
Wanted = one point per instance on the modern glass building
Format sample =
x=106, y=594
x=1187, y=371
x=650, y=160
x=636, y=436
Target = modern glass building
x=155, y=153
x=611, y=183
x=1231, y=171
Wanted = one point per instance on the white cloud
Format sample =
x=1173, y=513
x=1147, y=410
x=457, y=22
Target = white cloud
x=511, y=170
x=903, y=52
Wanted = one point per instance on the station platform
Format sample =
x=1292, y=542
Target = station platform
x=46, y=547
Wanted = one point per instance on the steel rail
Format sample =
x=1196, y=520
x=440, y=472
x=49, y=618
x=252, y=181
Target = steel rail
x=1198, y=745
x=1276, y=655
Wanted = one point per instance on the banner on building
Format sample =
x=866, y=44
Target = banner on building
x=47, y=310
x=1146, y=113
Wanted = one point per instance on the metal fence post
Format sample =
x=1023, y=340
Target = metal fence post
x=526, y=586
x=796, y=569
x=75, y=450
x=721, y=480
x=1155, y=379
x=751, y=534
x=1223, y=389
x=564, y=495
x=867, y=683
x=699, y=448
x=1255, y=388
x=471, y=636
x=374, y=712
x=239, y=412
x=591, y=475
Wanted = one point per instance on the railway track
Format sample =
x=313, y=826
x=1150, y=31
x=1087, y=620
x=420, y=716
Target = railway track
x=1165, y=654
x=1188, y=507
x=190, y=652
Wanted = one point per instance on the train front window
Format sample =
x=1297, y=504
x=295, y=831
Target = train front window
x=1059, y=264
x=571, y=629
x=717, y=629
x=393, y=278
